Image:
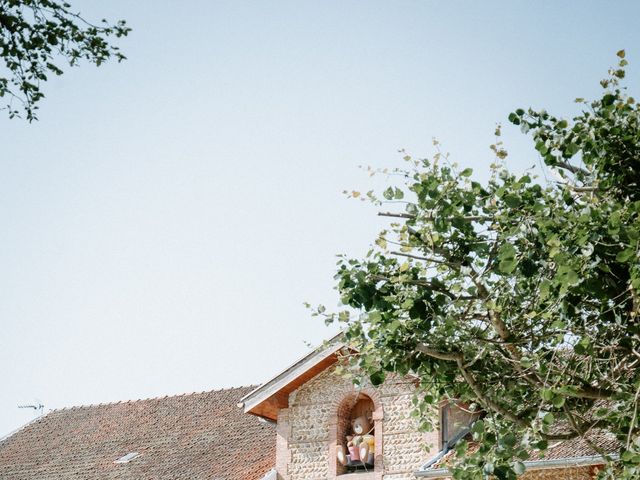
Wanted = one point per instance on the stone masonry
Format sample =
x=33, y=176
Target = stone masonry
x=309, y=430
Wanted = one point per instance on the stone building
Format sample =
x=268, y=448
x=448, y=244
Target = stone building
x=313, y=405
x=292, y=427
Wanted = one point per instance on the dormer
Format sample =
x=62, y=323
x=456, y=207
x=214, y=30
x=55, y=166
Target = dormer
x=317, y=409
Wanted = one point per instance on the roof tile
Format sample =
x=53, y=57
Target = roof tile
x=195, y=436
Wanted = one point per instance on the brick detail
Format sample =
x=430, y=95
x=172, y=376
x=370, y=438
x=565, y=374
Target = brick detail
x=283, y=454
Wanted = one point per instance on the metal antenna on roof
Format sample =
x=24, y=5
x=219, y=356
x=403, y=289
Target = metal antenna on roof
x=38, y=407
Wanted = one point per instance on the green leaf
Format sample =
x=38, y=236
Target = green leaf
x=509, y=440
x=625, y=255
x=507, y=252
x=506, y=255
x=567, y=276
x=546, y=394
x=507, y=266
x=582, y=347
x=377, y=378
x=512, y=200
x=388, y=193
x=478, y=427
x=526, y=362
x=572, y=149
x=542, y=148
x=548, y=419
x=461, y=448
x=519, y=468
x=542, y=444
x=466, y=172
x=627, y=456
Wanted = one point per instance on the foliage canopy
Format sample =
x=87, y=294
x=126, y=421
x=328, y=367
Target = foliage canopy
x=34, y=36
x=518, y=296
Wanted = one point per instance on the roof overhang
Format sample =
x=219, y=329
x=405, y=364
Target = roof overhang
x=266, y=400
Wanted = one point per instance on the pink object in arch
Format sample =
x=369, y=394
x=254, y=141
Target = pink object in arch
x=354, y=452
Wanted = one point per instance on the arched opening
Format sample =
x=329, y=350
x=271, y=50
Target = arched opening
x=356, y=435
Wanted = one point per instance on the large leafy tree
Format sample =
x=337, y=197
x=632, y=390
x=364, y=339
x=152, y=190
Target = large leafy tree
x=519, y=295
x=36, y=38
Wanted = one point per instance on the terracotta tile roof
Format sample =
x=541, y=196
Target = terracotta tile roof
x=195, y=436
x=578, y=447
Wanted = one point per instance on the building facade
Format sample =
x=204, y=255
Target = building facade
x=309, y=422
x=313, y=405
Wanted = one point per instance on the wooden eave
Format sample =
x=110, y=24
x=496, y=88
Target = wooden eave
x=266, y=400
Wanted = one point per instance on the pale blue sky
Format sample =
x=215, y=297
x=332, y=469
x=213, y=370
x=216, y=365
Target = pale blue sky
x=165, y=219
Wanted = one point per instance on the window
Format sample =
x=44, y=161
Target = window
x=356, y=436
x=127, y=458
x=455, y=420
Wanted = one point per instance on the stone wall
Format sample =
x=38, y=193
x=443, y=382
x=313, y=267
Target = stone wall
x=307, y=435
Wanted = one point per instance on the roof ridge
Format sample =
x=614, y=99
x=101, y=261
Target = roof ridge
x=146, y=399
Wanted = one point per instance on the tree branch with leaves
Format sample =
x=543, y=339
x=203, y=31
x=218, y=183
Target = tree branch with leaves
x=516, y=295
x=35, y=36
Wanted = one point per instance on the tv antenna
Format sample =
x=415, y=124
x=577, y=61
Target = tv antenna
x=38, y=407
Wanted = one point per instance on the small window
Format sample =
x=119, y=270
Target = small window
x=127, y=458
x=455, y=420
x=356, y=436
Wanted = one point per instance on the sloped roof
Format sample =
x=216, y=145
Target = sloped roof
x=267, y=399
x=195, y=436
x=579, y=447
